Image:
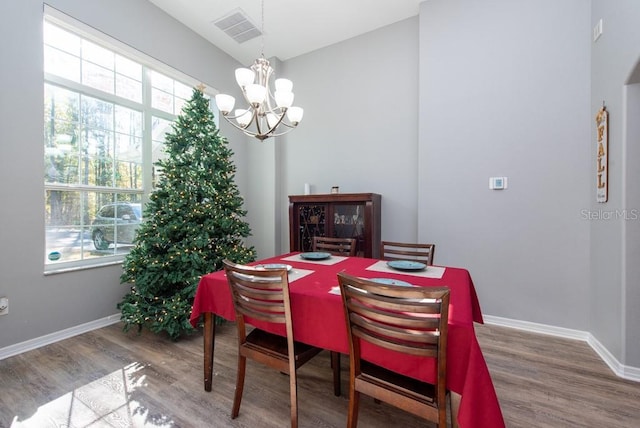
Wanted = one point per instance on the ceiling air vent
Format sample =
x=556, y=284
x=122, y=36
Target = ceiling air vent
x=237, y=26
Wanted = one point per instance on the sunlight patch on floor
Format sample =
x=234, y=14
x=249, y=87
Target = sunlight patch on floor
x=113, y=400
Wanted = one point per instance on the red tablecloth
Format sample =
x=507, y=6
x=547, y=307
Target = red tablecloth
x=318, y=319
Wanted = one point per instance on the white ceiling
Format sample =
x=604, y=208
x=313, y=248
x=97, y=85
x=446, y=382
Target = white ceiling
x=291, y=27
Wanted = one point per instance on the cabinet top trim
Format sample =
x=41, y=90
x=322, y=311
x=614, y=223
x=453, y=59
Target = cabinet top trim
x=334, y=197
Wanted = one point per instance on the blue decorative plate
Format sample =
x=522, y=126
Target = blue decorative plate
x=406, y=265
x=275, y=266
x=391, y=281
x=315, y=256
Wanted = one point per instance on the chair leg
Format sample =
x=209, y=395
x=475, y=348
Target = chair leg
x=237, y=398
x=293, y=393
x=354, y=405
x=442, y=417
x=335, y=365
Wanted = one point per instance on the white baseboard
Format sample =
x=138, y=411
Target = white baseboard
x=625, y=372
x=619, y=369
x=48, y=339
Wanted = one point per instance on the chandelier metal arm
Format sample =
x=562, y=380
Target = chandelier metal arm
x=271, y=132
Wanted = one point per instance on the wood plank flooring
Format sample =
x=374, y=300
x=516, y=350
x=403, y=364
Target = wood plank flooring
x=106, y=378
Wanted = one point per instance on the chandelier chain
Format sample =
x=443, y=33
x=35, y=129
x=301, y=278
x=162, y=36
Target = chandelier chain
x=262, y=27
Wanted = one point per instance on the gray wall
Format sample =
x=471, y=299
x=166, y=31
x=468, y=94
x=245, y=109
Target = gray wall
x=614, y=248
x=631, y=229
x=504, y=91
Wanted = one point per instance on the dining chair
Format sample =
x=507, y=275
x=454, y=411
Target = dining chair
x=263, y=294
x=335, y=246
x=404, y=251
x=410, y=320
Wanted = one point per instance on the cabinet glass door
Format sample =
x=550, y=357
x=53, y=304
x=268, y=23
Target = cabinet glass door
x=312, y=222
x=348, y=222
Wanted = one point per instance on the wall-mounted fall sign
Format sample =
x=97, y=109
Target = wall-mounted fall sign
x=602, y=165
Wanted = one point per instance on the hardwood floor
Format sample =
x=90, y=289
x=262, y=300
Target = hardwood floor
x=106, y=378
x=544, y=381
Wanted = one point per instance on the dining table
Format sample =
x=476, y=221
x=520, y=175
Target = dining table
x=318, y=320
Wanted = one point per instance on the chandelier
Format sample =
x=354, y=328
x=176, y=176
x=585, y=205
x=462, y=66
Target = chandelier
x=267, y=113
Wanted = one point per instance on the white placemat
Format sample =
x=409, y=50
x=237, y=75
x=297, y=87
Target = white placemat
x=335, y=290
x=330, y=261
x=295, y=274
x=429, y=272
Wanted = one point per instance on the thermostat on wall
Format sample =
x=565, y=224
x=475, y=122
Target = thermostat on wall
x=497, y=183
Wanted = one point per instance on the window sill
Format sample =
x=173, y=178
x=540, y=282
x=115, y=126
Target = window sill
x=66, y=269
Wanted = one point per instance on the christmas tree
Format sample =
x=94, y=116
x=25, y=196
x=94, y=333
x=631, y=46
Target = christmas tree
x=193, y=221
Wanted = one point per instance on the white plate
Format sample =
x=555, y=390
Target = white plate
x=275, y=266
x=314, y=255
x=406, y=265
x=391, y=281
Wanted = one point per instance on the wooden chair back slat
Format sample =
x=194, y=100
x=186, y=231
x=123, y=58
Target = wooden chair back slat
x=259, y=294
x=399, y=319
x=335, y=246
x=423, y=253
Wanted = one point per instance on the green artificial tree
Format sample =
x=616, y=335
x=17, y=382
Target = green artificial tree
x=193, y=221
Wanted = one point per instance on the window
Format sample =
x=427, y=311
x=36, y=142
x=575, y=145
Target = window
x=106, y=113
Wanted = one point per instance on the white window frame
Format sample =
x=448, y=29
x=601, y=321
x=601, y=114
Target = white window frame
x=86, y=32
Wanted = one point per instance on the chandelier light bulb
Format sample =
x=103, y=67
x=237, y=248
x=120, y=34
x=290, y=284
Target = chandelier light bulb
x=256, y=94
x=272, y=120
x=283, y=99
x=243, y=117
x=225, y=103
x=294, y=114
x=284, y=85
x=244, y=76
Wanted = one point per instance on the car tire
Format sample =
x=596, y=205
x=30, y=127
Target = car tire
x=99, y=240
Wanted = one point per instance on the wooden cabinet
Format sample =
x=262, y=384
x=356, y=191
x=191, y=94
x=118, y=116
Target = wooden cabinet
x=342, y=215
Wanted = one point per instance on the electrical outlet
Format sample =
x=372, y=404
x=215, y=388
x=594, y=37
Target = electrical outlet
x=597, y=30
x=4, y=305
